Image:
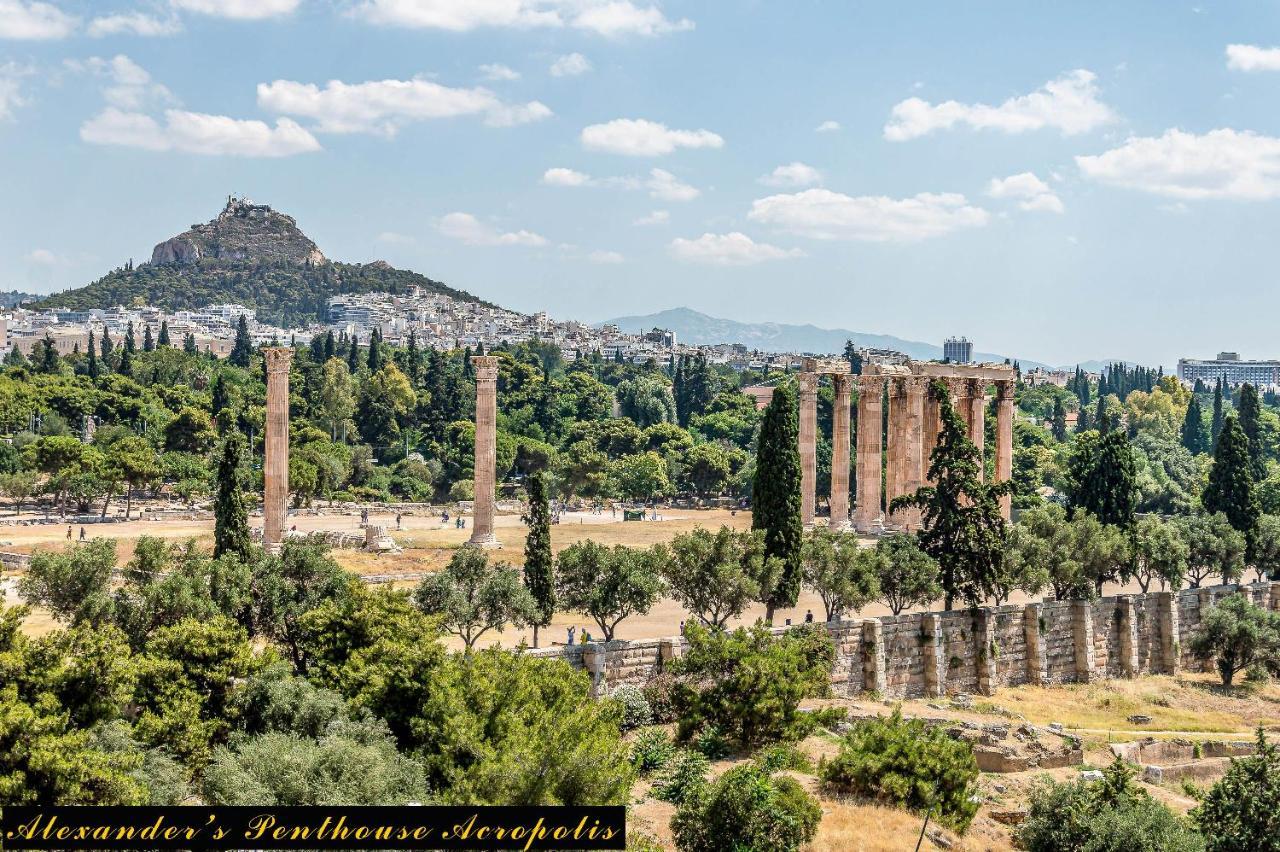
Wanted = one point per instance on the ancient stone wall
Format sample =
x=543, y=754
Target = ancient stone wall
x=973, y=651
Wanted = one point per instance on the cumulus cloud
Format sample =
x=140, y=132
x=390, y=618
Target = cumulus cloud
x=44, y=257
x=827, y=126
x=468, y=229
x=667, y=187
x=1223, y=164
x=245, y=10
x=30, y=20
x=791, y=175
x=383, y=106
x=498, y=71
x=1031, y=192
x=11, y=98
x=825, y=215
x=1068, y=104
x=610, y=18
x=134, y=23
x=570, y=65
x=565, y=177
x=638, y=137
x=1249, y=57
x=198, y=133
x=732, y=249
x=657, y=217
x=661, y=183
x=128, y=85
x=605, y=257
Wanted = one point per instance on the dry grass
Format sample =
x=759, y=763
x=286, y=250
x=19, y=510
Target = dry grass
x=858, y=827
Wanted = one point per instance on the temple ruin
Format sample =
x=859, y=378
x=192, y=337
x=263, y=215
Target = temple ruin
x=485, y=477
x=275, y=474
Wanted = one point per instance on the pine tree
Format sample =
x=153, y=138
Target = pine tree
x=230, y=515
x=316, y=349
x=125, y=367
x=1216, y=427
x=130, y=341
x=1059, y=421
x=189, y=344
x=329, y=347
x=93, y=367
x=242, y=351
x=1249, y=414
x=1231, y=488
x=1194, y=436
x=962, y=527
x=1102, y=476
x=375, y=351
x=164, y=334
x=220, y=396
x=411, y=357
x=538, y=576
x=1101, y=421
x=49, y=360
x=353, y=358
x=775, y=495
x=148, y=343
x=105, y=344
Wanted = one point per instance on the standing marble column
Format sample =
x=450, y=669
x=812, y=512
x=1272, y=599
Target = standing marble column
x=913, y=445
x=486, y=369
x=808, y=382
x=870, y=446
x=978, y=420
x=1004, y=440
x=895, y=456
x=932, y=426
x=839, y=499
x=275, y=474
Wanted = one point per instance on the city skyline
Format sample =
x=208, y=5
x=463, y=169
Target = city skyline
x=1077, y=194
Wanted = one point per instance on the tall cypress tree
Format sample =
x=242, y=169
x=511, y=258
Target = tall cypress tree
x=375, y=351
x=220, y=395
x=1216, y=428
x=962, y=527
x=1101, y=421
x=1102, y=476
x=242, y=351
x=775, y=495
x=130, y=341
x=1249, y=412
x=105, y=345
x=163, y=340
x=353, y=358
x=1059, y=421
x=230, y=515
x=93, y=367
x=538, y=577
x=189, y=344
x=1231, y=489
x=329, y=346
x=1194, y=436
x=148, y=342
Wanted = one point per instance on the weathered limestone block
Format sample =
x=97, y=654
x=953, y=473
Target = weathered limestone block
x=1037, y=669
x=1082, y=636
x=1127, y=613
x=985, y=650
x=934, y=652
x=873, y=674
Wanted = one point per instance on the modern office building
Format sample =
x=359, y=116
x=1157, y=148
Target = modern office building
x=1230, y=367
x=957, y=350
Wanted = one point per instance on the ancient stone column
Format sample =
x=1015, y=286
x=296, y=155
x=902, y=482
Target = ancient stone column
x=839, y=499
x=1004, y=440
x=977, y=419
x=870, y=441
x=895, y=435
x=808, y=382
x=932, y=426
x=486, y=368
x=913, y=463
x=275, y=474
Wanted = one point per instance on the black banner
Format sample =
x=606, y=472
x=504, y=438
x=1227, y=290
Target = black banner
x=428, y=827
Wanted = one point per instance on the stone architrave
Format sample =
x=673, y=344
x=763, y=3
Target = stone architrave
x=276, y=468
x=486, y=370
x=839, y=500
x=870, y=446
x=977, y=419
x=1004, y=440
x=808, y=382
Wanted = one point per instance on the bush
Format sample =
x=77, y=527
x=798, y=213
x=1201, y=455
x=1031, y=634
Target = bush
x=749, y=683
x=783, y=756
x=908, y=764
x=1238, y=636
x=660, y=693
x=1242, y=811
x=1111, y=815
x=651, y=750
x=750, y=809
x=635, y=707
x=711, y=743
x=685, y=776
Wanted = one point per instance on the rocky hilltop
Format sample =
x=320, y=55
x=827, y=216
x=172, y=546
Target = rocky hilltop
x=242, y=231
x=249, y=254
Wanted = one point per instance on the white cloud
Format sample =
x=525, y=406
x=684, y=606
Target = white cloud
x=661, y=183
x=657, y=217
x=133, y=23
x=395, y=238
x=382, y=106
x=245, y=10
x=498, y=71
x=1069, y=104
x=827, y=126
x=468, y=229
x=1224, y=164
x=732, y=249
x=198, y=133
x=1249, y=57
x=791, y=175
x=638, y=137
x=610, y=18
x=605, y=257
x=10, y=88
x=34, y=21
x=825, y=215
x=570, y=65
x=44, y=257
x=1032, y=193
x=129, y=85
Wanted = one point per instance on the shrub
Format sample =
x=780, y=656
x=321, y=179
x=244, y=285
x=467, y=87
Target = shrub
x=660, y=693
x=711, y=743
x=1238, y=636
x=685, y=775
x=750, y=809
x=749, y=684
x=651, y=750
x=635, y=707
x=783, y=756
x=1242, y=811
x=909, y=764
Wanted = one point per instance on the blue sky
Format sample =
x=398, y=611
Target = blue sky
x=1058, y=181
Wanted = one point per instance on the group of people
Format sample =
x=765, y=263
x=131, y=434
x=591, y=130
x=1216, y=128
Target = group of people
x=458, y=523
x=82, y=533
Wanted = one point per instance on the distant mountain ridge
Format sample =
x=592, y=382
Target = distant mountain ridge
x=249, y=254
x=697, y=328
